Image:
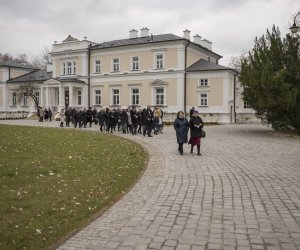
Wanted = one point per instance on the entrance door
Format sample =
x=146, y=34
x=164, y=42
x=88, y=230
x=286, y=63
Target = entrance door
x=67, y=98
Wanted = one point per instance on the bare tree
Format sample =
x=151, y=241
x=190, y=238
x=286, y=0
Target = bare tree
x=45, y=56
x=29, y=90
x=236, y=62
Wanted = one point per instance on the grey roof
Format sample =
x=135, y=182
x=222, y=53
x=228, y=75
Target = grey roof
x=69, y=79
x=16, y=65
x=203, y=65
x=145, y=40
x=139, y=40
x=35, y=76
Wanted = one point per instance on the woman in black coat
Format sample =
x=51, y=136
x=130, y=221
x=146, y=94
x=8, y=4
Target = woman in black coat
x=196, y=126
x=181, y=125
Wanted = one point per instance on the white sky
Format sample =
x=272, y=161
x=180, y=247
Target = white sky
x=27, y=26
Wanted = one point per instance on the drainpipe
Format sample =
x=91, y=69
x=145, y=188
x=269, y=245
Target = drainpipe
x=89, y=80
x=185, y=64
x=234, y=85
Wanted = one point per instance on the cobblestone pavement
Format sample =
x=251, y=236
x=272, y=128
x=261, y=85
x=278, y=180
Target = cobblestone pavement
x=242, y=193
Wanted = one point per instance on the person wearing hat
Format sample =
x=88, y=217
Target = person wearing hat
x=196, y=126
x=181, y=126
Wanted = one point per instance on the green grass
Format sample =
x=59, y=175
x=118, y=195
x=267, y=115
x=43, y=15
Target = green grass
x=54, y=180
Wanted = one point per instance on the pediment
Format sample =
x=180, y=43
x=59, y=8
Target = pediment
x=158, y=82
x=51, y=81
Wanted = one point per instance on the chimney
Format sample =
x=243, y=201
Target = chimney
x=197, y=39
x=144, y=32
x=133, y=34
x=207, y=44
x=186, y=34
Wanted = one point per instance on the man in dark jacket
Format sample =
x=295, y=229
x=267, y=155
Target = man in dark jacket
x=148, y=117
x=89, y=116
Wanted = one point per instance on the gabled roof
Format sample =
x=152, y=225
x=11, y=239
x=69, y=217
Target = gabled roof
x=35, y=76
x=16, y=65
x=69, y=79
x=203, y=65
x=70, y=39
x=138, y=40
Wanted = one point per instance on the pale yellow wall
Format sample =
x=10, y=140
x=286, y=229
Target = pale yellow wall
x=192, y=57
x=145, y=57
x=145, y=91
x=215, y=91
x=1, y=76
x=171, y=58
x=191, y=92
x=215, y=96
x=18, y=72
x=58, y=67
x=79, y=66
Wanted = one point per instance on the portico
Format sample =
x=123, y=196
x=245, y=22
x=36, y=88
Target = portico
x=58, y=94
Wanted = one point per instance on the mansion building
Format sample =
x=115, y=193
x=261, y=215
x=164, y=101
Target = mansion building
x=166, y=70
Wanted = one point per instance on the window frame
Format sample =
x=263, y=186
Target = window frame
x=205, y=80
x=69, y=67
x=79, y=100
x=97, y=66
x=134, y=63
x=202, y=98
x=155, y=94
x=95, y=97
x=112, y=96
x=155, y=54
x=14, y=99
x=134, y=94
x=113, y=64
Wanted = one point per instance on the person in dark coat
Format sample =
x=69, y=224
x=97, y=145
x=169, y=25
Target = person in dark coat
x=134, y=120
x=101, y=119
x=75, y=116
x=110, y=120
x=192, y=111
x=94, y=115
x=181, y=126
x=124, y=120
x=68, y=116
x=89, y=116
x=148, y=118
x=196, y=126
x=140, y=121
x=50, y=114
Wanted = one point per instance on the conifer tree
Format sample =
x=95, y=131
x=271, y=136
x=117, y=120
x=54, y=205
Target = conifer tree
x=270, y=75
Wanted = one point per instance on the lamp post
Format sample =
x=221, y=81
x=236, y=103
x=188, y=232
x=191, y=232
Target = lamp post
x=295, y=27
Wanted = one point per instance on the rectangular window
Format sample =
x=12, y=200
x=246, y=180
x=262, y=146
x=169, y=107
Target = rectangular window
x=116, y=64
x=98, y=97
x=246, y=105
x=69, y=68
x=135, y=96
x=14, y=99
x=79, y=97
x=203, y=82
x=24, y=98
x=115, y=97
x=135, y=63
x=159, y=61
x=159, y=96
x=98, y=66
x=203, y=99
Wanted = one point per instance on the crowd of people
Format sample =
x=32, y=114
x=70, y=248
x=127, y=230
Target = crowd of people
x=133, y=121
x=125, y=120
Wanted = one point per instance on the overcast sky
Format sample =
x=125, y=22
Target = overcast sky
x=27, y=26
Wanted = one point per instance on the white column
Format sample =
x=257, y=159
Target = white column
x=47, y=97
x=71, y=104
x=61, y=97
x=42, y=97
x=84, y=96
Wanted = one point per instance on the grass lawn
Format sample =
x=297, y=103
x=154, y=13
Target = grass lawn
x=54, y=180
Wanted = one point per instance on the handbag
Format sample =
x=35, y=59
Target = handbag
x=203, y=134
